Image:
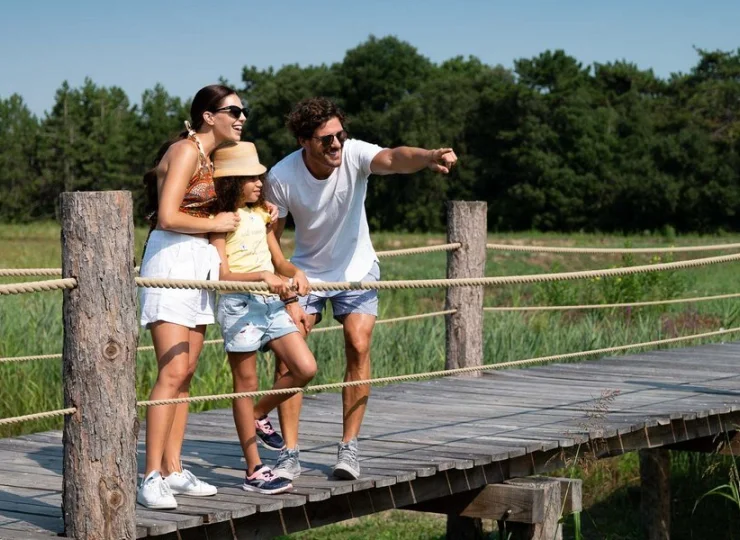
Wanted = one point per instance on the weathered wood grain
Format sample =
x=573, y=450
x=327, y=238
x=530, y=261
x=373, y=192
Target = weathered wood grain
x=99, y=360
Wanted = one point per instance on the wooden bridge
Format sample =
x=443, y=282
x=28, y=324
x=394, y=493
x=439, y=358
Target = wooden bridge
x=455, y=446
x=436, y=446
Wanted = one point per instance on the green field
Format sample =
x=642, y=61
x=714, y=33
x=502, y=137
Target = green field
x=31, y=324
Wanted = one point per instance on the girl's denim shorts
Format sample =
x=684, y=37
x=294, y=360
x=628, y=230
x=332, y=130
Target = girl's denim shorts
x=250, y=321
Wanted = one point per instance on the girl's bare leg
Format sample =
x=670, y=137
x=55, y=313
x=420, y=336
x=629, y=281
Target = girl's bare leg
x=244, y=375
x=291, y=350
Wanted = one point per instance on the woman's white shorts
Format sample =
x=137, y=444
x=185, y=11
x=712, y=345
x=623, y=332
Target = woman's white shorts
x=178, y=256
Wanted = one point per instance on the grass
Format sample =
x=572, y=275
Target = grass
x=31, y=324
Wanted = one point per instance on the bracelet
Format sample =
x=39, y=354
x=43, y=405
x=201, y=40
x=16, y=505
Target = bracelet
x=291, y=300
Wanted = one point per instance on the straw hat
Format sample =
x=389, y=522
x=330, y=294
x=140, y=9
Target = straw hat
x=237, y=159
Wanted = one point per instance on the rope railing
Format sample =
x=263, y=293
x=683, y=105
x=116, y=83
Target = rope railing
x=617, y=305
x=416, y=250
x=38, y=286
x=143, y=348
x=434, y=374
x=28, y=272
x=36, y=416
x=615, y=251
x=387, y=380
x=51, y=272
x=22, y=272
x=240, y=286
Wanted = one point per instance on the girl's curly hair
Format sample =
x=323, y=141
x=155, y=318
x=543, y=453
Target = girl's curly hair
x=229, y=191
x=309, y=114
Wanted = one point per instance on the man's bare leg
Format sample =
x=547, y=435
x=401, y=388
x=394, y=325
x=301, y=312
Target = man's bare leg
x=358, y=332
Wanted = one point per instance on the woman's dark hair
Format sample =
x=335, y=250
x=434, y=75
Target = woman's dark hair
x=309, y=114
x=206, y=99
x=229, y=191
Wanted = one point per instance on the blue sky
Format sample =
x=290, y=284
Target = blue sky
x=187, y=44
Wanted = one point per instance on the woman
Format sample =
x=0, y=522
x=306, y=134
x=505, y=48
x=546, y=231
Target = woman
x=182, y=198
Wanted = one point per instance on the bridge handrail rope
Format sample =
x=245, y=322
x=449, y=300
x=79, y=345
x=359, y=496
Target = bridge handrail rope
x=563, y=249
x=242, y=286
x=51, y=272
x=415, y=250
x=20, y=272
x=440, y=373
x=37, y=416
x=58, y=356
x=387, y=380
x=23, y=272
x=38, y=286
x=616, y=305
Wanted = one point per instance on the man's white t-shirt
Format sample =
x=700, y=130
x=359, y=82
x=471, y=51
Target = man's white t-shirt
x=332, y=238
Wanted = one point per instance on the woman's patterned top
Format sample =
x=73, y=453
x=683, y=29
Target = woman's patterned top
x=200, y=196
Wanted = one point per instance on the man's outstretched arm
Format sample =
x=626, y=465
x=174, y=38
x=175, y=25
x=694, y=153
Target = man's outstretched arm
x=408, y=159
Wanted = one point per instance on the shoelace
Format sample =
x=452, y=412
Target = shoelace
x=192, y=478
x=266, y=426
x=351, y=450
x=164, y=489
x=285, y=456
x=267, y=475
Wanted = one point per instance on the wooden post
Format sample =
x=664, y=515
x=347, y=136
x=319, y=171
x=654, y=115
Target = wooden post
x=655, y=503
x=100, y=338
x=467, y=224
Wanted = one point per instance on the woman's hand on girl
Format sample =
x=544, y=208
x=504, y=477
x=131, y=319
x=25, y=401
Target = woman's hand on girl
x=301, y=284
x=225, y=222
x=275, y=284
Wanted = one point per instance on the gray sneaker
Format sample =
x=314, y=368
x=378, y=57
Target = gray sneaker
x=347, y=466
x=287, y=465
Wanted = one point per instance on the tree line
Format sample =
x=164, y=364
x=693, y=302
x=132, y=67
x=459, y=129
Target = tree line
x=550, y=144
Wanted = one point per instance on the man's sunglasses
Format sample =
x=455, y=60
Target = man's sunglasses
x=326, y=140
x=234, y=111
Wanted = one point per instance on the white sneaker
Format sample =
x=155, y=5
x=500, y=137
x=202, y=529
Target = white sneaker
x=186, y=483
x=155, y=493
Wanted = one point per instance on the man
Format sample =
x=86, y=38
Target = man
x=323, y=185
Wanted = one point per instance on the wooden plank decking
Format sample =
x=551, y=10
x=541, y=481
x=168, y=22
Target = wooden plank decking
x=420, y=441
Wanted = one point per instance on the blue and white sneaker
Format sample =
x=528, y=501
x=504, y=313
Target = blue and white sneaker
x=263, y=481
x=267, y=434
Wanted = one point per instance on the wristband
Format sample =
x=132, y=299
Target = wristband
x=291, y=300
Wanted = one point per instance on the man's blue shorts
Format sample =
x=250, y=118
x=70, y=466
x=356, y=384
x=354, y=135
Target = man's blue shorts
x=344, y=303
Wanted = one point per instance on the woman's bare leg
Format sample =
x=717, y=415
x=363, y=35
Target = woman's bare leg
x=172, y=348
x=171, y=461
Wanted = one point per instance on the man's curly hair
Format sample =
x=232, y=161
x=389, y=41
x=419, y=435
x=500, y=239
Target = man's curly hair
x=309, y=114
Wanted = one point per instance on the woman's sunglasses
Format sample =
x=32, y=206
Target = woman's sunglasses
x=234, y=111
x=326, y=140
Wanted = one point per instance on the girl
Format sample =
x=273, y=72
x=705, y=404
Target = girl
x=250, y=321
x=181, y=201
